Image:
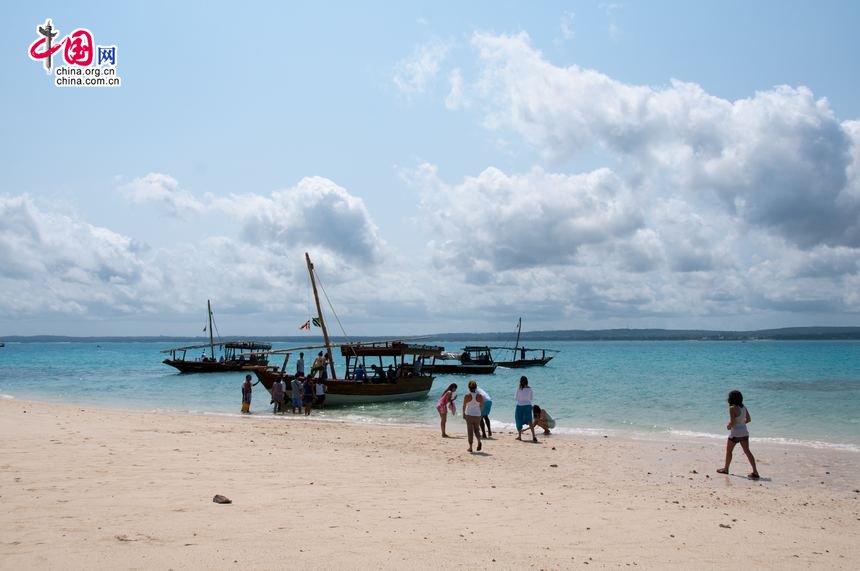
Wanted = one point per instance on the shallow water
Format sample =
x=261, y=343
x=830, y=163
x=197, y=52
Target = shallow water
x=804, y=392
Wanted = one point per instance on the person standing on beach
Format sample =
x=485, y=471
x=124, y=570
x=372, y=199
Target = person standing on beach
x=277, y=397
x=739, y=417
x=246, y=395
x=319, y=394
x=472, y=404
x=445, y=401
x=308, y=395
x=485, y=413
x=523, y=412
x=284, y=388
x=296, y=393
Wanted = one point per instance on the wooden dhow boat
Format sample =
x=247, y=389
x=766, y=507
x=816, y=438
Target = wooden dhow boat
x=521, y=357
x=472, y=360
x=378, y=371
x=231, y=355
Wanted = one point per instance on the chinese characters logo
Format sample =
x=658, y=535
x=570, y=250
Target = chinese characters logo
x=79, y=53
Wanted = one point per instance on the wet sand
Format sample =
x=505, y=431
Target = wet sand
x=88, y=488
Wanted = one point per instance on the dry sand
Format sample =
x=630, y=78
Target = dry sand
x=87, y=488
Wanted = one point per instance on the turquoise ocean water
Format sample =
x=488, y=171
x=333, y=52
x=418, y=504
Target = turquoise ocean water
x=801, y=392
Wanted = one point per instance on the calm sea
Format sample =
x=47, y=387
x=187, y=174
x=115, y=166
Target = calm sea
x=803, y=392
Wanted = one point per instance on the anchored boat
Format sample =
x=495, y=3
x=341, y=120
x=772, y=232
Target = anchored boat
x=472, y=360
x=521, y=357
x=378, y=371
x=231, y=355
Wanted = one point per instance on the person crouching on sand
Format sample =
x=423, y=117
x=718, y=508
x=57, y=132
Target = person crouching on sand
x=472, y=405
x=246, y=395
x=739, y=417
x=446, y=401
x=542, y=419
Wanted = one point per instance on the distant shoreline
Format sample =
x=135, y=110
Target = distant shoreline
x=783, y=334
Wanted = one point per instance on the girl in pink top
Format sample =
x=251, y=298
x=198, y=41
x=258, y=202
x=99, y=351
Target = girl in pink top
x=446, y=401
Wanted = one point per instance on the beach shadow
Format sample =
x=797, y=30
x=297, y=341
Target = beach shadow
x=745, y=477
x=742, y=477
x=481, y=453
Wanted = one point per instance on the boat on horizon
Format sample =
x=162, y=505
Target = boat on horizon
x=527, y=357
x=472, y=360
x=233, y=355
x=400, y=370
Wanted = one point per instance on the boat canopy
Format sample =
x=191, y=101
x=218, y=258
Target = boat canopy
x=389, y=349
x=241, y=345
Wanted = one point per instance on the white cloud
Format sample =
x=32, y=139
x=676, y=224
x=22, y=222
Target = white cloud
x=316, y=211
x=412, y=75
x=456, y=98
x=54, y=263
x=494, y=222
x=164, y=191
x=567, y=29
x=778, y=160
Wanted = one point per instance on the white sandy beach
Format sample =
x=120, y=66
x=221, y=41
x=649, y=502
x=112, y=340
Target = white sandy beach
x=87, y=488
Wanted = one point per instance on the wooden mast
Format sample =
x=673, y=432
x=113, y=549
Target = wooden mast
x=211, y=340
x=517, y=344
x=320, y=316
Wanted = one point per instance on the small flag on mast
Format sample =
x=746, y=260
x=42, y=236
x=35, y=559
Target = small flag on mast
x=316, y=321
x=305, y=325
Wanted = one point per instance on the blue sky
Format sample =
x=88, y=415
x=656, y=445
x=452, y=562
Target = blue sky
x=450, y=167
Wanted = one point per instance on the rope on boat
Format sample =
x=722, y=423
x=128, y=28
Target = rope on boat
x=331, y=307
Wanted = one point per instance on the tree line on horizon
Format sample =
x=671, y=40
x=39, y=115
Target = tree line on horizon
x=784, y=334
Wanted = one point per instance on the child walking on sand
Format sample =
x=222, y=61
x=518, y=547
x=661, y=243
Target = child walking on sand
x=739, y=417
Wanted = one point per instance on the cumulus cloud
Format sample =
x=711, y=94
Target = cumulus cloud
x=316, y=211
x=164, y=191
x=413, y=74
x=778, y=160
x=54, y=262
x=496, y=221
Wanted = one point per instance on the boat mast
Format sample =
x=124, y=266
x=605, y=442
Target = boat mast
x=517, y=344
x=211, y=340
x=320, y=316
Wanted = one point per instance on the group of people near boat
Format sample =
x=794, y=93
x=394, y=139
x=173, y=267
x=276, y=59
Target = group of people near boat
x=305, y=394
x=477, y=405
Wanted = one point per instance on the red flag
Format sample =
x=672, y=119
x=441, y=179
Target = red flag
x=305, y=325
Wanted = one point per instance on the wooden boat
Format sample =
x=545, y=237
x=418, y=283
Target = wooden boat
x=472, y=360
x=523, y=357
x=233, y=355
x=403, y=372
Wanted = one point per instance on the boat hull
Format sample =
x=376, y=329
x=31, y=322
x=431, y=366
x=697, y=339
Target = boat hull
x=523, y=363
x=208, y=366
x=461, y=369
x=349, y=392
